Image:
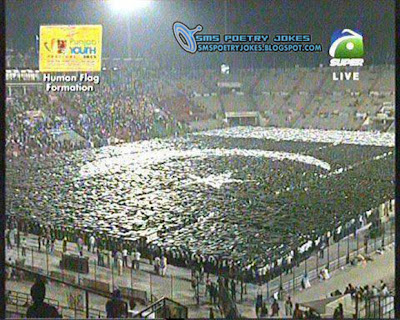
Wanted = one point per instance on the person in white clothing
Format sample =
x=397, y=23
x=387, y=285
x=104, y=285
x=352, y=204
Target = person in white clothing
x=305, y=282
x=79, y=244
x=120, y=266
x=137, y=256
x=133, y=257
x=92, y=241
x=385, y=291
x=374, y=291
x=125, y=257
x=163, y=266
x=23, y=247
x=157, y=265
x=12, y=236
x=325, y=274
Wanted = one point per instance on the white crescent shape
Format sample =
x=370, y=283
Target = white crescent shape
x=143, y=159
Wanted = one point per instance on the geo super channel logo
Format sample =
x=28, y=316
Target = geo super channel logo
x=347, y=48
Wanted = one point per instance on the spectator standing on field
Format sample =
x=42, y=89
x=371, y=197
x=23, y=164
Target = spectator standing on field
x=99, y=257
x=48, y=244
x=384, y=291
x=297, y=314
x=211, y=316
x=137, y=256
x=125, y=257
x=263, y=310
x=163, y=265
x=275, y=308
x=338, y=314
x=157, y=265
x=259, y=302
x=23, y=247
x=233, y=289
x=208, y=287
x=288, y=306
x=213, y=293
x=116, y=307
x=12, y=237
x=64, y=245
x=92, y=242
x=40, y=309
x=39, y=243
x=120, y=264
x=53, y=245
x=8, y=239
x=80, y=245
x=109, y=259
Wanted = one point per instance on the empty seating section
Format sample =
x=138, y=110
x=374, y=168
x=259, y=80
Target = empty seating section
x=236, y=103
x=310, y=98
x=211, y=103
x=296, y=97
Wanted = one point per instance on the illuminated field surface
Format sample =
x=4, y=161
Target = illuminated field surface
x=240, y=192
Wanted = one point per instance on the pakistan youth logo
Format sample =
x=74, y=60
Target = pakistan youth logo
x=185, y=36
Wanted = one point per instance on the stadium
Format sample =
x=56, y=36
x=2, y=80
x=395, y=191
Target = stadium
x=256, y=181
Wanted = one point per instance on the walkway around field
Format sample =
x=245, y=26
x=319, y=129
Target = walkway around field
x=177, y=286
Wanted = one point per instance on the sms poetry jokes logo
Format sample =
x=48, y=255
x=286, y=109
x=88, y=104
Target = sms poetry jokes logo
x=185, y=36
x=347, y=44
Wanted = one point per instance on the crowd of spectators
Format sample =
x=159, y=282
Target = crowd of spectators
x=119, y=110
x=19, y=59
x=365, y=292
x=129, y=106
x=136, y=100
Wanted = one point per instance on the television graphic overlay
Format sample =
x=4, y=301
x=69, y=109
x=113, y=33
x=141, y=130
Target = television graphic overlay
x=70, y=48
x=185, y=36
x=200, y=159
x=346, y=44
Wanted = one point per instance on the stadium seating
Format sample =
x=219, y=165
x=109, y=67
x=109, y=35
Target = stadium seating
x=156, y=101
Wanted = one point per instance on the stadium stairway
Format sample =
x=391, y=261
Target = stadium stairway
x=292, y=91
x=252, y=100
x=311, y=97
x=222, y=104
x=253, y=103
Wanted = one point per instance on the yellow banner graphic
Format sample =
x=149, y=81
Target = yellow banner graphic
x=70, y=48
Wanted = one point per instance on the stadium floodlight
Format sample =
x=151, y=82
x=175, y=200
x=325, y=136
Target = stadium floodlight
x=129, y=5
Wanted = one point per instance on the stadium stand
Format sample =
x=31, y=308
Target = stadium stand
x=155, y=103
